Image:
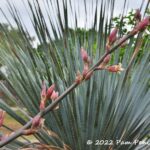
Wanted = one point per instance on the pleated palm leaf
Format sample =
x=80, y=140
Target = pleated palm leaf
x=102, y=110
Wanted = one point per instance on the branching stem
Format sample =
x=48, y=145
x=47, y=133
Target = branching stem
x=50, y=107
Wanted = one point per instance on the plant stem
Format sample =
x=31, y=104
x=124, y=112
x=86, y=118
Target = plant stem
x=50, y=107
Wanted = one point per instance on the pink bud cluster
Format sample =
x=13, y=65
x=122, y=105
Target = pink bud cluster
x=86, y=74
x=111, y=39
x=37, y=123
x=104, y=65
x=46, y=94
x=86, y=62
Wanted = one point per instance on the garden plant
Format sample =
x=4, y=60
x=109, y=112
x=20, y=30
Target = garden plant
x=79, y=89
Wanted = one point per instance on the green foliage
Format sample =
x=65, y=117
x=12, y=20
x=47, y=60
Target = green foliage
x=126, y=23
x=107, y=107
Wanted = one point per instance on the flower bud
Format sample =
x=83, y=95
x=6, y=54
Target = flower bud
x=107, y=59
x=137, y=15
x=50, y=91
x=143, y=24
x=36, y=121
x=42, y=104
x=79, y=78
x=88, y=75
x=113, y=36
x=54, y=95
x=2, y=116
x=100, y=67
x=85, y=70
x=84, y=55
x=115, y=68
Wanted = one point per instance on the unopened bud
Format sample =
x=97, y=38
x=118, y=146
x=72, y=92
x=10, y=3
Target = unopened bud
x=115, y=68
x=143, y=24
x=88, y=75
x=79, y=78
x=54, y=95
x=113, y=36
x=107, y=59
x=42, y=104
x=85, y=70
x=36, y=121
x=100, y=67
x=50, y=91
x=84, y=55
x=2, y=116
x=104, y=63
